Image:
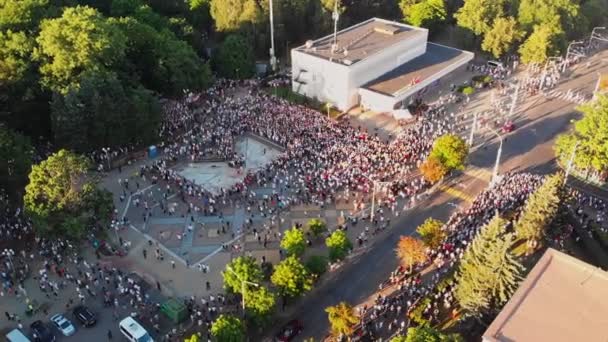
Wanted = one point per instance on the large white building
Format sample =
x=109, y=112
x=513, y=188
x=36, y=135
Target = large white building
x=377, y=64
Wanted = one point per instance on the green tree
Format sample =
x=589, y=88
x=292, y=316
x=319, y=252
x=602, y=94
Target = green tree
x=227, y=328
x=56, y=194
x=230, y=15
x=478, y=15
x=540, y=45
x=431, y=233
x=451, y=151
x=293, y=242
x=234, y=58
x=80, y=41
x=411, y=252
x=100, y=113
x=342, y=319
x=502, y=37
x=15, y=51
x=16, y=155
x=540, y=210
x=433, y=170
x=291, y=277
x=427, y=334
x=316, y=227
x=426, y=13
x=316, y=265
x=22, y=14
x=259, y=305
x=559, y=15
x=589, y=136
x=489, y=272
x=339, y=245
x=243, y=268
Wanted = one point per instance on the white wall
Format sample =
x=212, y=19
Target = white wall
x=325, y=80
x=376, y=101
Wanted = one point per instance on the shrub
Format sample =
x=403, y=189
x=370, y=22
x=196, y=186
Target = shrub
x=317, y=265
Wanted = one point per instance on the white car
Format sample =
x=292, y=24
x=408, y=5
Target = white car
x=63, y=324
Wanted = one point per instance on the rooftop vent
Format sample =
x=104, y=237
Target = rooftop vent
x=347, y=61
x=309, y=44
x=386, y=29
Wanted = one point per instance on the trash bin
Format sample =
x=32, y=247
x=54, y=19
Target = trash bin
x=175, y=310
x=152, y=152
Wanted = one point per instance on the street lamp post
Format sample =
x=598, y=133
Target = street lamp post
x=473, y=129
x=593, y=35
x=515, y=96
x=597, y=85
x=328, y=107
x=568, y=53
x=571, y=162
x=244, y=284
x=498, y=154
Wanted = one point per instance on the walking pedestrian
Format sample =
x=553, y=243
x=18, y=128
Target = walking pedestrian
x=109, y=334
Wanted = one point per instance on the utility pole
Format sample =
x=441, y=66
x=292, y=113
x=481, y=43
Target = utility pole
x=273, y=59
x=473, y=129
x=244, y=284
x=570, y=162
x=498, y=154
x=335, y=16
x=512, y=110
x=593, y=36
x=597, y=85
x=564, y=63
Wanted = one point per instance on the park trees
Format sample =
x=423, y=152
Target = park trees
x=293, y=241
x=291, y=277
x=234, y=58
x=427, y=334
x=79, y=42
x=589, y=136
x=451, y=151
x=57, y=198
x=230, y=15
x=260, y=303
x=411, y=252
x=15, y=50
x=22, y=14
x=16, y=156
x=478, y=15
x=431, y=233
x=342, y=319
x=424, y=13
x=540, y=45
x=501, y=38
x=227, y=328
x=101, y=112
x=339, y=245
x=243, y=268
x=489, y=272
x=558, y=15
x=540, y=210
x=316, y=227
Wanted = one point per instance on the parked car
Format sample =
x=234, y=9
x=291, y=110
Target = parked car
x=292, y=329
x=84, y=316
x=41, y=333
x=508, y=127
x=133, y=331
x=63, y=324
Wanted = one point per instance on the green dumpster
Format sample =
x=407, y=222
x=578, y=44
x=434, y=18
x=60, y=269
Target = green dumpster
x=175, y=310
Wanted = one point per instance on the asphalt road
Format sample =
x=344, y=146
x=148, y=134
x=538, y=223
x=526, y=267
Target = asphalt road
x=528, y=148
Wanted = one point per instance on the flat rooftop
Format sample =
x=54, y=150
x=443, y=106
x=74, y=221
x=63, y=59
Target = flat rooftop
x=561, y=299
x=436, y=58
x=362, y=40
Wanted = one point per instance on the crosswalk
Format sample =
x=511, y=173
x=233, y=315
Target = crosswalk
x=456, y=193
x=570, y=96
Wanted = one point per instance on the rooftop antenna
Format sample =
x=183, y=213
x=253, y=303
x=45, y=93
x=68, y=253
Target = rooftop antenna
x=335, y=16
x=273, y=59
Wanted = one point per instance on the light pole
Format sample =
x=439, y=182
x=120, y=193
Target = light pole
x=544, y=73
x=597, y=85
x=273, y=59
x=568, y=52
x=593, y=35
x=244, y=284
x=473, y=129
x=328, y=107
x=570, y=162
x=515, y=96
x=498, y=154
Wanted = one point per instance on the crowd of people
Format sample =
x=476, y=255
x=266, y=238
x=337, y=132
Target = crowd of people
x=384, y=319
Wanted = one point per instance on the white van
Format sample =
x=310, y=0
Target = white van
x=495, y=65
x=17, y=336
x=133, y=331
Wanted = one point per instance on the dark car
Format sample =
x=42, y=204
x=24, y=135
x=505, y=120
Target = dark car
x=84, y=316
x=41, y=333
x=292, y=329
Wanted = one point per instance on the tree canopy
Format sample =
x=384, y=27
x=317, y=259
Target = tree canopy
x=291, y=277
x=293, y=241
x=244, y=268
x=339, y=245
x=16, y=157
x=227, y=328
x=411, y=251
x=501, y=38
x=79, y=42
x=260, y=303
x=234, y=58
x=451, y=151
x=478, y=15
x=540, y=45
x=431, y=232
x=15, y=50
x=425, y=13
x=342, y=319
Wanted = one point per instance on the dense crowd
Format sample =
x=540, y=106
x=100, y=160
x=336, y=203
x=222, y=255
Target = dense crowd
x=383, y=318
